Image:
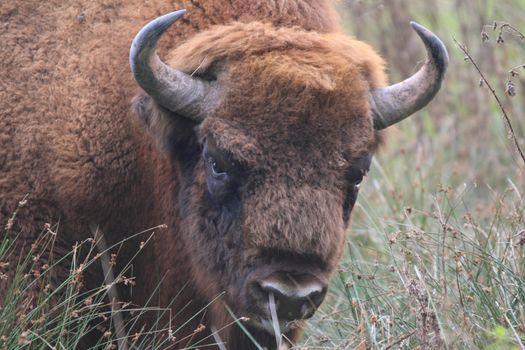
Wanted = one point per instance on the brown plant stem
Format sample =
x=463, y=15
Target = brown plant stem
x=505, y=115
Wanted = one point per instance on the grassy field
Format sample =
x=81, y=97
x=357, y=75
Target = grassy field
x=436, y=253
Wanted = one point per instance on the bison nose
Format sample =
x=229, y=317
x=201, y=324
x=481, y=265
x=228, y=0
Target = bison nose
x=296, y=296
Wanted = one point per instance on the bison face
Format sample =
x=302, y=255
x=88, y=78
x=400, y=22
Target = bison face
x=271, y=136
x=280, y=165
x=267, y=191
x=275, y=232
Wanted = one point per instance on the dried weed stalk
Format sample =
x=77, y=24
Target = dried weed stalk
x=493, y=92
x=428, y=331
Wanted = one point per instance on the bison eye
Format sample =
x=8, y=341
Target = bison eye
x=354, y=177
x=351, y=194
x=359, y=179
x=222, y=173
x=215, y=167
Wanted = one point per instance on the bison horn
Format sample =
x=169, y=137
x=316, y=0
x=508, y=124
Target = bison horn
x=175, y=90
x=394, y=103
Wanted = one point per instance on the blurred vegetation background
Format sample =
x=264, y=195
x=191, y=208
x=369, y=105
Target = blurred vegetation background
x=435, y=256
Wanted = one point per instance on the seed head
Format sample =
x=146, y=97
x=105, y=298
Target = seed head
x=199, y=328
x=510, y=89
x=374, y=319
x=22, y=339
x=9, y=224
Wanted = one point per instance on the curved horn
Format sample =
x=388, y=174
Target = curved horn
x=177, y=91
x=394, y=103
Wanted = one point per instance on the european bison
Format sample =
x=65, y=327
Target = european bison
x=250, y=143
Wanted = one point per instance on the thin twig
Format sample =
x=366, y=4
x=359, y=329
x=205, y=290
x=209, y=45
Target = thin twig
x=109, y=280
x=217, y=338
x=517, y=67
x=506, y=25
x=275, y=320
x=503, y=25
x=509, y=124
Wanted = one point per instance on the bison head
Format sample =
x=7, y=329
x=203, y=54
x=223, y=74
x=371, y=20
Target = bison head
x=272, y=131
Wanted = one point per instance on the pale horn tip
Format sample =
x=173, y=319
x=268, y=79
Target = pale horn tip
x=435, y=47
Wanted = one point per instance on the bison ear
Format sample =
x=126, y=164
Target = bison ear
x=169, y=129
x=142, y=105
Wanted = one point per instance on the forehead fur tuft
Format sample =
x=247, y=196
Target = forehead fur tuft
x=207, y=50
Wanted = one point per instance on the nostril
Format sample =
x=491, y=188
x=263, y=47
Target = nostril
x=295, y=298
x=317, y=298
x=307, y=311
x=268, y=287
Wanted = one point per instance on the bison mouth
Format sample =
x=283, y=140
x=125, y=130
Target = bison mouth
x=271, y=332
x=282, y=330
x=274, y=326
x=278, y=303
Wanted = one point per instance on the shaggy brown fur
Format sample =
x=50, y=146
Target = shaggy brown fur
x=294, y=119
